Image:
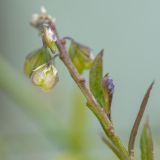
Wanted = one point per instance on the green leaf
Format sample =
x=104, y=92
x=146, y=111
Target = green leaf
x=35, y=59
x=81, y=56
x=146, y=143
x=95, y=79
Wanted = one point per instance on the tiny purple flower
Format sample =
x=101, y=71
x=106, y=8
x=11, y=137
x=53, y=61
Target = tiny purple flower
x=109, y=84
x=51, y=35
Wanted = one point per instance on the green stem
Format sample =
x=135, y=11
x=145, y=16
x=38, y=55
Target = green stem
x=91, y=101
x=113, y=148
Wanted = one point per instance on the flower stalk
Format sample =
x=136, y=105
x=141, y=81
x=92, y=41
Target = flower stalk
x=92, y=104
x=40, y=67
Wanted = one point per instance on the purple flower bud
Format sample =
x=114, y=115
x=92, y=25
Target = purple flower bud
x=108, y=88
x=109, y=84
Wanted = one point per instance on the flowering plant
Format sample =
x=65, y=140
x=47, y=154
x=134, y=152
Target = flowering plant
x=40, y=67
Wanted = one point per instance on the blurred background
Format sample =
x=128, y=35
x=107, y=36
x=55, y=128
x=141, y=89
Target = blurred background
x=35, y=125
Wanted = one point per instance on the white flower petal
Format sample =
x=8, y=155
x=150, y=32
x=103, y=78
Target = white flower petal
x=43, y=10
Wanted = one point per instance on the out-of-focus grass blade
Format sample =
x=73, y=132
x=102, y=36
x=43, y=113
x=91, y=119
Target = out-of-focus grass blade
x=30, y=101
x=138, y=120
x=146, y=143
x=78, y=123
x=72, y=156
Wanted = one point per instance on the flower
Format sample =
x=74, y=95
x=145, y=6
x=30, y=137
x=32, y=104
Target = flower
x=45, y=76
x=108, y=88
x=110, y=85
x=50, y=38
x=40, y=19
x=43, y=10
x=51, y=35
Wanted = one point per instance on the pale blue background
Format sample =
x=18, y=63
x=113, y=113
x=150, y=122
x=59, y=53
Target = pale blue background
x=129, y=32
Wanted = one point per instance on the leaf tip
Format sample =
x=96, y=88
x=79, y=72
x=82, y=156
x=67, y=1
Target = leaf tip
x=101, y=52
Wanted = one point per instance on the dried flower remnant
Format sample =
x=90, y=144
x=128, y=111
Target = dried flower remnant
x=41, y=19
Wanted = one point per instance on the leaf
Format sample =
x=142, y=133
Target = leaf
x=95, y=79
x=35, y=59
x=81, y=56
x=138, y=119
x=146, y=143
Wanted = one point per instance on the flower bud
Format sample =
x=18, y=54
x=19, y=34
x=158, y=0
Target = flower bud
x=108, y=89
x=108, y=83
x=45, y=76
x=50, y=39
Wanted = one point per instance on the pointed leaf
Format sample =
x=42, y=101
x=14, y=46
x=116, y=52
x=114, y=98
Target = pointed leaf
x=95, y=79
x=81, y=56
x=138, y=119
x=146, y=143
x=35, y=59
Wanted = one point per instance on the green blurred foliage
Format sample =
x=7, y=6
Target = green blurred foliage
x=146, y=143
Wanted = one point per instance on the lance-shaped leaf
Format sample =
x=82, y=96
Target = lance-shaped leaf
x=35, y=59
x=95, y=79
x=81, y=56
x=138, y=120
x=146, y=143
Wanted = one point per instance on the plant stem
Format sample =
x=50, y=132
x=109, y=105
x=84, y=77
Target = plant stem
x=92, y=104
x=113, y=148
